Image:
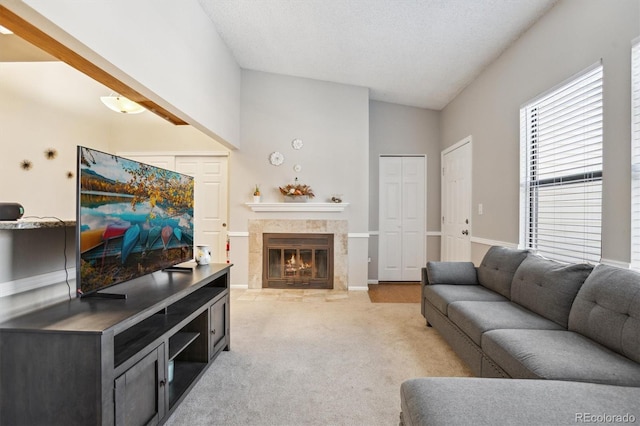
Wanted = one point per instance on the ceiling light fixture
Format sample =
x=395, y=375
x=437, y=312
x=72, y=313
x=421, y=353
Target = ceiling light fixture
x=121, y=104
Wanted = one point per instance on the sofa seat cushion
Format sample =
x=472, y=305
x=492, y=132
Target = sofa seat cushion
x=440, y=401
x=547, y=287
x=441, y=296
x=497, y=268
x=475, y=318
x=558, y=355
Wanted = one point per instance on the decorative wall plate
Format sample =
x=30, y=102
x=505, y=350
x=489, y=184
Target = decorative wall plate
x=276, y=158
x=297, y=143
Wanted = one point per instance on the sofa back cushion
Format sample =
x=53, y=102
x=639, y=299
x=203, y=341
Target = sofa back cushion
x=607, y=310
x=498, y=267
x=548, y=288
x=463, y=273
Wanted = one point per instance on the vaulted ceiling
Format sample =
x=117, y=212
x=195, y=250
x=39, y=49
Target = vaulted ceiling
x=413, y=52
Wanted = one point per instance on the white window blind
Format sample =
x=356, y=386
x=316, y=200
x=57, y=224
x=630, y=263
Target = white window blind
x=635, y=155
x=561, y=170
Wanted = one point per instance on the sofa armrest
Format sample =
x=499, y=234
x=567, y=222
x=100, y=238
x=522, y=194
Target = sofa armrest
x=463, y=273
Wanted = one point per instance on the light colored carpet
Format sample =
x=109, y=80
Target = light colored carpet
x=316, y=361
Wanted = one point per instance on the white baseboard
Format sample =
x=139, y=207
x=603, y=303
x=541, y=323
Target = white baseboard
x=358, y=288
x=358, y=235
x=372, y=282
x=239, y=286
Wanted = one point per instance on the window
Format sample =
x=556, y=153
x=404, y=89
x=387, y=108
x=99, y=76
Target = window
x=635, y=155
x=561, y=170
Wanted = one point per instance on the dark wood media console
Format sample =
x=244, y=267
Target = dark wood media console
x=115, y=361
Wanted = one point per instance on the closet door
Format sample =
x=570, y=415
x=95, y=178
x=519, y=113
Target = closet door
x=402, y=218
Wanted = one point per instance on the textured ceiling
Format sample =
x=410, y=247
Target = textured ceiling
x=413, y=52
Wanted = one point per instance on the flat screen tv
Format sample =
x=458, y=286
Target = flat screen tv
x=132, y=219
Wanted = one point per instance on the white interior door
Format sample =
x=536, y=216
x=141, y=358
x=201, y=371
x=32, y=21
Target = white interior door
x=210, y=205
x=390, y=219
x=402, y=218
x=456, y=202
x=210, y=195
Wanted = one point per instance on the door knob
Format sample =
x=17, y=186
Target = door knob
x=465, y=232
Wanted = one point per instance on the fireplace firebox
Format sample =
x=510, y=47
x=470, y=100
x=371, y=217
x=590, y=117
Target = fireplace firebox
x=297, y=261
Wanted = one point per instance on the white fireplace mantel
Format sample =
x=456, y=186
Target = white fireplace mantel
x=297, y=207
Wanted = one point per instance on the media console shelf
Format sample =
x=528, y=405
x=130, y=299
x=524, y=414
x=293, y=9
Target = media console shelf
x=115, y=361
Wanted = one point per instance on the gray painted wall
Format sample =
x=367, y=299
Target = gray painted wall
x=333, y=122
x=403, y=130
x=569, y=38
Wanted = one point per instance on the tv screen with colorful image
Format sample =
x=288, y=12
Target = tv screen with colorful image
x=132, y=219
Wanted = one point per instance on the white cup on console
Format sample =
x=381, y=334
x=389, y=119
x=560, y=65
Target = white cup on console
x=203, y=254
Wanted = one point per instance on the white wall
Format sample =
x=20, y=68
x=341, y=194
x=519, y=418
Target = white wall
x=40, y=110
x=167, y=50
x=333, y=122
x=159, y=135
x=570, y=37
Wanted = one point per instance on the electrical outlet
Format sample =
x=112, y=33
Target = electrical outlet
x=480, y=209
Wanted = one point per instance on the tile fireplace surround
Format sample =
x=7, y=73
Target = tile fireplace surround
x=339, y=229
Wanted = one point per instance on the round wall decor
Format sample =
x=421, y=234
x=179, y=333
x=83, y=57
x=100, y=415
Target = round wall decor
x=297, y=143
x=276, y=158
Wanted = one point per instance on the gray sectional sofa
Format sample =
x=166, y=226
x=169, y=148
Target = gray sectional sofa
x=520, y=316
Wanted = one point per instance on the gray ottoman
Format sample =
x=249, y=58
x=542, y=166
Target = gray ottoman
x=482, y=401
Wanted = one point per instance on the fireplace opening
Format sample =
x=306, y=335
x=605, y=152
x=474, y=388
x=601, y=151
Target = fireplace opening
x=297, y=261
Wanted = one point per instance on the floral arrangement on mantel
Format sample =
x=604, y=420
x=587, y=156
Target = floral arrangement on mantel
x=297, y=190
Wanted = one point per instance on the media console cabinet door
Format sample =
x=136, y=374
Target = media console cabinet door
x=140, y=391
x=219, y=324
